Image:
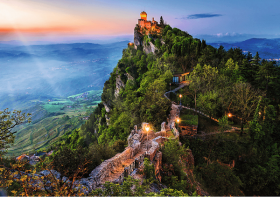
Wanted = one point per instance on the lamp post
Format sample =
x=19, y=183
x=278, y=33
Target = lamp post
x=147, y=129
x=170, y=86
x=230, y=115
x=180, y=98
x=178, y=121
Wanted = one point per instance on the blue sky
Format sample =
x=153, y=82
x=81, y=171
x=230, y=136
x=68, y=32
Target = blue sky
x=73, y=19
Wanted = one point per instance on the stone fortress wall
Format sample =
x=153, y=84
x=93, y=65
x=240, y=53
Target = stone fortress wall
x=123, y=164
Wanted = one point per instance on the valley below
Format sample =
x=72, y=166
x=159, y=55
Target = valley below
x=59, y=84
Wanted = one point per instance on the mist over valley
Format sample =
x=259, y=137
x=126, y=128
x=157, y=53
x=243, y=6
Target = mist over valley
x=42, y=72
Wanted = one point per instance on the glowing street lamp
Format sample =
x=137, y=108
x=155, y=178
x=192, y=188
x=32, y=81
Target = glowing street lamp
x=180, y=98
x=178, y=120
x=229, y=115
x=147, y=129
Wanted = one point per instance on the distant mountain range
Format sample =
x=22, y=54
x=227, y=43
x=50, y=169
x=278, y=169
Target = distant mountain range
x=267, y=48
x=50, y=70
x=71, y=40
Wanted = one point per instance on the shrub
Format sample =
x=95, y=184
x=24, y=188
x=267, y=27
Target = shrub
x=220, y=180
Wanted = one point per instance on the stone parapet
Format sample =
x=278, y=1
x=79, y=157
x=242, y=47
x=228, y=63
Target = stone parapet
x=160, y=133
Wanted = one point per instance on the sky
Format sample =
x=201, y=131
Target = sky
x=35, y=20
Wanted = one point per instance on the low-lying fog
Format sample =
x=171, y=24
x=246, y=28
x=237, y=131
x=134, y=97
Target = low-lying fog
x=46, y=71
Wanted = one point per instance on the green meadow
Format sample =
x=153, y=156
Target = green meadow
x=60, y=115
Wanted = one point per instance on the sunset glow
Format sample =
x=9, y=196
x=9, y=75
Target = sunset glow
x=38, y=18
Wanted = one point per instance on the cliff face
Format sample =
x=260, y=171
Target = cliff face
x=138, y=39
x=119, y=84
x=150, y=48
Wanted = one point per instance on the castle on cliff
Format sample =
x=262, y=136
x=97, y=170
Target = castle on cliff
x=147, y=26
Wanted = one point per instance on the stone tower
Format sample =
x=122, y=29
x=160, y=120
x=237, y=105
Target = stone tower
x=143, y=15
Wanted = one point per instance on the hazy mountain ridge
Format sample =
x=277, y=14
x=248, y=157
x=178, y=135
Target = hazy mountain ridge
x=267, y=48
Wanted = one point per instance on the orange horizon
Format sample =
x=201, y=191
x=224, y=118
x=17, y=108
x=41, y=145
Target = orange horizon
x=37, y=30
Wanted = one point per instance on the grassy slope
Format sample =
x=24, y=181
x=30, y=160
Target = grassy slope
x=44, y=133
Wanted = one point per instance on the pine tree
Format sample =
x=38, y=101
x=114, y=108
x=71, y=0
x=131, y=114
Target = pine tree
x=256, y=59
x=161, y=21
x=203, y=44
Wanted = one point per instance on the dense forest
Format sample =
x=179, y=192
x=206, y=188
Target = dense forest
x=221, y=83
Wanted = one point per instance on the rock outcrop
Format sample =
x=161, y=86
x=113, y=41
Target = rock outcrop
x=129, y=77
x=138, y=39
x=107, y=108
x=107, y=119
x=150, y=48
x=119, y=85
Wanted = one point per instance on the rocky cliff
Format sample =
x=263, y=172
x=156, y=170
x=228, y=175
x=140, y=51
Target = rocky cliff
x=149, y=48
x=138, y=39
x=119, y=84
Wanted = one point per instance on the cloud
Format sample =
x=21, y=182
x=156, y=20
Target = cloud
x=197, y=16
x=227, y=34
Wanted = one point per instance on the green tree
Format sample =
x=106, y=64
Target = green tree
x=203, y=44
x=244, y=101
x=208, y=102
x=172, y=154
x=261, y=172
x=256, y=59
x=161, y=22
x=265, y=77
x=224, y=123
x=149, y=170
x=195, y=82
x=158, y=43
x=8, y=121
